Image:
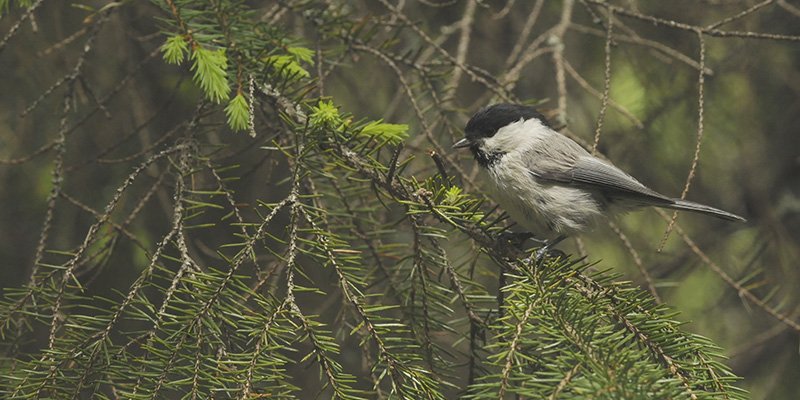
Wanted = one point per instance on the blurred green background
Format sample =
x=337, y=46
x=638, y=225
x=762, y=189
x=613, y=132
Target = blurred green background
x=749, y=160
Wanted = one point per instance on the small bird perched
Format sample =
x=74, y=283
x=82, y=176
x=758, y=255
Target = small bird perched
x=544, y=180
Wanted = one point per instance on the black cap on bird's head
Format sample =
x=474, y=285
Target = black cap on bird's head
x=488, y=120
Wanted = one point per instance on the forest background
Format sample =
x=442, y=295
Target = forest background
x=198, y=152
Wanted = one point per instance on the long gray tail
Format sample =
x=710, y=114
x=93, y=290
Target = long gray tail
x=702, y=208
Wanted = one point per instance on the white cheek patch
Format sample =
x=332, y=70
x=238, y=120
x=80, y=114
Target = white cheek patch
x=517, y=136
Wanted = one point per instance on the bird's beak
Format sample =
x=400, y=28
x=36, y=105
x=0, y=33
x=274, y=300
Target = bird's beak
x=462, y=143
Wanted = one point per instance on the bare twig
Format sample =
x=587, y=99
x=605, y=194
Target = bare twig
x=693, y=28
x=465, y=26
x=616, y=106
x=740, y=290
x=557, y=39
x=606, y=81
x=636, y=260
x=699, y=140
x=658, y=47
x=533, y=16
x=13, y=30
x=740, y=15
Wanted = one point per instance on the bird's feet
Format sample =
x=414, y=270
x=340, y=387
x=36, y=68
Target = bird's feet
x=517, y=239
x=546, y=247
x=548, y=251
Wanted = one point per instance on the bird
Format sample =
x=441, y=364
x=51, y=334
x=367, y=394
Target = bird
x=548, y=183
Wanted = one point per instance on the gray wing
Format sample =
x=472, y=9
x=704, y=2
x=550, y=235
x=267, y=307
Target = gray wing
x=591, y=172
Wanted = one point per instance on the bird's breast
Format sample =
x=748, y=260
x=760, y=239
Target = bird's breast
x=537, y=205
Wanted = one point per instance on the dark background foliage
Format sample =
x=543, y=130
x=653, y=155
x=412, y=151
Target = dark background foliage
x=731, y=283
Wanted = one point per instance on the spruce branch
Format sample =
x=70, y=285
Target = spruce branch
x=342, y=237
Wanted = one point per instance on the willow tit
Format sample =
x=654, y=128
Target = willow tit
x=543, y=179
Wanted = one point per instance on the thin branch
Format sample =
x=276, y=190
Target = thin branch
x=616, y=106
x=740, y=290
x=505, y=375
x=699, y=140
x=740, y=15
x=557, y=37
x=658, y=47
x=562, y=384
x=636, y=260
x=533, y=16
x=465, y=26
x=498, y=90
x=14, y=28
x=606, y=81
x=693, y=28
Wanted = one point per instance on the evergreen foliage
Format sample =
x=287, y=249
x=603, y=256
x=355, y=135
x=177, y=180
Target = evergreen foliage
x=429, y=301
